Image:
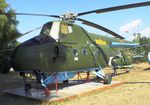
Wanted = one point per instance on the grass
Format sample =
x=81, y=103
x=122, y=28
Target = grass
x=135, y=91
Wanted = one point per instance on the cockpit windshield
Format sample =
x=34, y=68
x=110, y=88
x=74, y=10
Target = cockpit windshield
x=57, y=30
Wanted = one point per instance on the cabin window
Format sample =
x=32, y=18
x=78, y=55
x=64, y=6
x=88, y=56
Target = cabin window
x=84, y=51
x=75, y=52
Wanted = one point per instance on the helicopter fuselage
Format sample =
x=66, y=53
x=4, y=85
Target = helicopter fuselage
x=62, y=46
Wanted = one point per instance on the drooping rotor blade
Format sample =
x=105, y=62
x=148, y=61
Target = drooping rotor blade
x=115, y=8
x=100, y=28
x=31, y=31
x=20, y=35
x=30, y=14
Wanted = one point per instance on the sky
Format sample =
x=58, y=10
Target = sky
x=124, y=22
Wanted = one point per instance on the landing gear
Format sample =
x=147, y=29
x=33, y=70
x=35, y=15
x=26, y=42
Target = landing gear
x=66, y=81
x=107, y=79
x=27, y=87
x=102, y=77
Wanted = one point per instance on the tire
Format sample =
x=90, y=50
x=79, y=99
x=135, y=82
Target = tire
x=27, y=87
x=66, y=81
x=107, y=79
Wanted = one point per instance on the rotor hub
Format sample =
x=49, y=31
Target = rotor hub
x=69, y=16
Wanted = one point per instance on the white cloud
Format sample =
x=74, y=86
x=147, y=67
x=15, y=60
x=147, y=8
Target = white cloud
x=146, y=32
x=130, y=26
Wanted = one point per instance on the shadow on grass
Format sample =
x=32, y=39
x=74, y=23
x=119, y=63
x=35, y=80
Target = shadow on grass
x=120, y=73
x=137, y=82
x=147, y=69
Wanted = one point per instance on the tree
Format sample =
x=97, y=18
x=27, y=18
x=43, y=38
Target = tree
x=144, y=45
x=8, y=35
x=8, y=31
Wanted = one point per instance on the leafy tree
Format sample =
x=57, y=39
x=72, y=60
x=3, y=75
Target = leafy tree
x=8, y=31
x=8, y=34
x=144, y=45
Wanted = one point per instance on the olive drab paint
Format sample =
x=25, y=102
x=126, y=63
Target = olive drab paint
x=62, y=46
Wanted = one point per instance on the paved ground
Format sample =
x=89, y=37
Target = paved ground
x=65, y=92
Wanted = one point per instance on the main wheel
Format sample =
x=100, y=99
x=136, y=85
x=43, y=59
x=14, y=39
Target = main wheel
x=27, y=87
x=66, y=81
x=107, y=79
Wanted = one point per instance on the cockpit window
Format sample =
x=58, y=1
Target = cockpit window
x=57, y=30
x=51, y=29
x=70, y=29
x=54, y=33
x=64, y=29
x=46, y=28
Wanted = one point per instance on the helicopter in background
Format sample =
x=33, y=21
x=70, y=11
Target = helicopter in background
x=64, y=49
x=123, y=56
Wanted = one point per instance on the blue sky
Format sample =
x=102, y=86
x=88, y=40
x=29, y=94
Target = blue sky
x=112, y=20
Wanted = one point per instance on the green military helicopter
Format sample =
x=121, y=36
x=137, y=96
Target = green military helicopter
x=63, y=49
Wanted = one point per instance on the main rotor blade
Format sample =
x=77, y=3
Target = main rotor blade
x=100, y=28
x=20, y=35
x=31, y=31
x=30, y=14
x=116, y=8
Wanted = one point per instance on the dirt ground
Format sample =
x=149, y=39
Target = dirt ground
x=135, y=91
